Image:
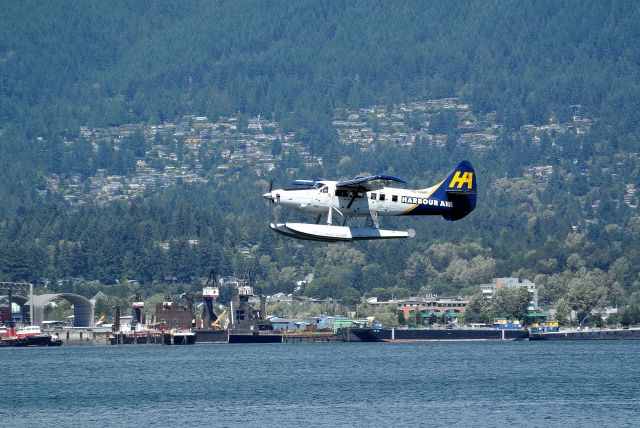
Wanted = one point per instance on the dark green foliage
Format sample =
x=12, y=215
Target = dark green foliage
x=509, y=303
x=148, y=61
x=477, y=310
x=227, y=294
x=64, y=65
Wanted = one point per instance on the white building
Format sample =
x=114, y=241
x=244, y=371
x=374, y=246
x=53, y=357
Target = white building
x=498, y=283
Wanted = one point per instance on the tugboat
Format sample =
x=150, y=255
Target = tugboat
x=33, y=336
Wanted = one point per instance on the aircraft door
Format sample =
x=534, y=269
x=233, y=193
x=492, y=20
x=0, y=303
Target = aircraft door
x=323, y=198
x=383, y=206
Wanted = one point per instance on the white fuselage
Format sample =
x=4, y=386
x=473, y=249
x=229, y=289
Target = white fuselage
x=387, y=201
x=453, y=198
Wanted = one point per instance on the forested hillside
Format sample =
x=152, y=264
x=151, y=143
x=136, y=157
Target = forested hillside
x=66, y=67
x=71, y=63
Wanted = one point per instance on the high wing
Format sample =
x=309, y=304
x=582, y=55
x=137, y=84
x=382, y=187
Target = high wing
x=369, y=183
x=308, y=183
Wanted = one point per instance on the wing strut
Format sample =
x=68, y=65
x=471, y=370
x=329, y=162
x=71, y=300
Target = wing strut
x=330, y=215
x=353, y=198
x=374, y=219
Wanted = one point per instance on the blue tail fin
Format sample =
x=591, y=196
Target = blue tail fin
x=460, y=189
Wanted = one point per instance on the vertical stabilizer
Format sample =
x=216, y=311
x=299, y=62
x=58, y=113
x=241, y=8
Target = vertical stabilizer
x=461, y=189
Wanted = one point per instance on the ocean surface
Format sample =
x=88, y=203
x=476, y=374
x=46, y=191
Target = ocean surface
x=582, y=384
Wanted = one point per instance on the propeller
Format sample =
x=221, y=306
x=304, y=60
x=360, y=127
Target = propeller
x=268, y=195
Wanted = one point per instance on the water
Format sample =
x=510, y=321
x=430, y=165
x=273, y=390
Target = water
x=324, y=385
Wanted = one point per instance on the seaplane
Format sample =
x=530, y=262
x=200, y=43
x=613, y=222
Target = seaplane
x=344, y=202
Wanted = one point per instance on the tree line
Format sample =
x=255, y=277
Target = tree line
x=572, y=233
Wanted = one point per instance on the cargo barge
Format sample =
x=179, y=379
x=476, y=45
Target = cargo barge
x=255, y=338
x=312, y=337
x=433, y=334
x=223, y=336
x=591, y=334
x=211, y=336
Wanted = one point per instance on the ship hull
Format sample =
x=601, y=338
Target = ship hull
x=613, y=334
x=432, y=335
x=254, y=338
x=42, y=340
x=312, y=337
x=212, y=336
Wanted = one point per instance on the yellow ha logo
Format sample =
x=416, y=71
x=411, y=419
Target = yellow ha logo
x=459, y=180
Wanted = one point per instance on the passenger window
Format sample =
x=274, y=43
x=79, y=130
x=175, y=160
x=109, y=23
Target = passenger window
x=373, y=196
x=382, y=196
x=394, y=198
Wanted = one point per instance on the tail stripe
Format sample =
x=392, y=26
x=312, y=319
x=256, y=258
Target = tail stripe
x=453, y=198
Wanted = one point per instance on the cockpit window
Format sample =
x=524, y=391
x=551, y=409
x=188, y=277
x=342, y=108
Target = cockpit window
x=318, y=185
x=325, y=189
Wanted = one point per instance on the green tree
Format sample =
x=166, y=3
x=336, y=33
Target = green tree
x=510, y=303
x=476, y=310
x=417, y=317
x=227, y=294
x=401, y=318
x=588, y=293
x=350, y=297
x=630, y=315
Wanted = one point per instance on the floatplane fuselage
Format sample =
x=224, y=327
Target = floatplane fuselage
x=340, y=201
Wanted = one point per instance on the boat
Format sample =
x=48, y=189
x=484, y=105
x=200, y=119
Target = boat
x=55, y=341
x=433, y=334
x=587, y=334
x=32, y=335
x=257, y=337
x=311, y=337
